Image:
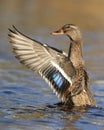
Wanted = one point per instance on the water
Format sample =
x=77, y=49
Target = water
x=26, y=101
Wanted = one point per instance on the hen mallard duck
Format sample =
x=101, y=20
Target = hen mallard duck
x=65, y=73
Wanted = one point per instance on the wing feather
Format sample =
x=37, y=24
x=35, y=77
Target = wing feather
x=45, y=60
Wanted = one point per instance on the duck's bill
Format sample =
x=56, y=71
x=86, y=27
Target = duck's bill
x=58, y=32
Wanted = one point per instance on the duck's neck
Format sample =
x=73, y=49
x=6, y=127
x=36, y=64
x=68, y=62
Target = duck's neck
x=75, y=53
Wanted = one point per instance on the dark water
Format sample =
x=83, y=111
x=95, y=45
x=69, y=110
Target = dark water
x=26, y=102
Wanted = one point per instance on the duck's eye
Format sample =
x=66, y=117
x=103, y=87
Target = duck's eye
x=67, y=26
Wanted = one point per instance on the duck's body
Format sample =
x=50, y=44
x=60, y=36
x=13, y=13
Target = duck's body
x=65, y=73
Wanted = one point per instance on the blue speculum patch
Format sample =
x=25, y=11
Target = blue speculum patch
x=57, y=78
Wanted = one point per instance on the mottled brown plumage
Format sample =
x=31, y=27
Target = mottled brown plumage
x=65, y=73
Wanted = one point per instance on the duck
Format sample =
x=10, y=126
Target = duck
x=64, y=72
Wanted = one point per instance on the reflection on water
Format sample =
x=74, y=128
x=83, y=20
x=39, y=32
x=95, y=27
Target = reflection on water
x=26, y=102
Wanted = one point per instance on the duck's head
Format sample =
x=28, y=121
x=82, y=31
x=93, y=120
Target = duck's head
x=71, y=30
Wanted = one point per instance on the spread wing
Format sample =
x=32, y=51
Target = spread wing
x=49, y=62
